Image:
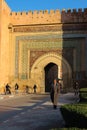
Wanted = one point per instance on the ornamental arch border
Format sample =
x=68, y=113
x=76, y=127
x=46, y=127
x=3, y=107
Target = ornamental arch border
x=38, y=72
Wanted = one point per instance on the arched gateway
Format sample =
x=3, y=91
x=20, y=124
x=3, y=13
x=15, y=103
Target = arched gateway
x=51, y=73
x=38, y=70
x=34, y=41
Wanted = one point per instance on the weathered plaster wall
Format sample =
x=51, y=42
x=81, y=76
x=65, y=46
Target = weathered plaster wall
x=4, y=42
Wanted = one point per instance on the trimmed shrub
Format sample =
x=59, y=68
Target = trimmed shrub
x=83, y=95
x=72, y=128
x=75, y=115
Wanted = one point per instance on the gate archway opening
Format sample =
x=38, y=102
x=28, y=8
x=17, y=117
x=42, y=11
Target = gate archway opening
x=38, y=70
x=51, y=73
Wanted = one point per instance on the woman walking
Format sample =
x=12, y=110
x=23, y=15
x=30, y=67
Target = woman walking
x=55, y=89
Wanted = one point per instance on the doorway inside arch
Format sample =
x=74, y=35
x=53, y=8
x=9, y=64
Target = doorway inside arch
x=51, y=72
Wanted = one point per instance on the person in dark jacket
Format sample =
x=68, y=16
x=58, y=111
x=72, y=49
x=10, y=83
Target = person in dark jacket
x=16, y=88
x=35, y=87
x=76, y=87
x=8, y=91
x=27, y=89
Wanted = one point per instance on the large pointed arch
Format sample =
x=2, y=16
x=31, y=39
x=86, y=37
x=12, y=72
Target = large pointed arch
x=37, y=70
x=51, y=73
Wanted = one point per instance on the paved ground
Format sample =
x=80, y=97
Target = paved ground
x=40, y=116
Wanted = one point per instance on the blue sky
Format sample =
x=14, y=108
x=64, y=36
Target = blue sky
x=26, y=5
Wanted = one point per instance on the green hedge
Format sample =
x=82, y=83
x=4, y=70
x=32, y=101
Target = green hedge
x=73, y=128
x=75, y=115
x=83, y=94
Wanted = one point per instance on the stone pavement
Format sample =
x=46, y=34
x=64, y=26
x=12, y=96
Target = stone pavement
x=2, y=96
x=40, y=116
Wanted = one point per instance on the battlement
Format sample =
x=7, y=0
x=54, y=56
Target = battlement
x=35, y=12
x=49, y=12
x=46, y=16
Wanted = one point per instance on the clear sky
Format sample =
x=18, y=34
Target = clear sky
x=26, y=5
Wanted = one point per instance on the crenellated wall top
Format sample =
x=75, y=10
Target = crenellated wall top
x=49, y=12
x=49, y=16
x=46, y=16
x=36, y=12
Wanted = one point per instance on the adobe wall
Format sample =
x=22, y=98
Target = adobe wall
x=4, y=42
x=48, y=17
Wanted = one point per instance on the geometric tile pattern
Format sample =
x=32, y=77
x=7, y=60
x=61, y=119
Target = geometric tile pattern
x=43, y=42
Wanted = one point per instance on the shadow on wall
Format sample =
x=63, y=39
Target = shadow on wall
x=73, y=45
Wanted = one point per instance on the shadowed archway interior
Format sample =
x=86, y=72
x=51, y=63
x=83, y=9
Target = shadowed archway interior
x=51, y=72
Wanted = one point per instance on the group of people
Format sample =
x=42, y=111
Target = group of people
x=8, y=89
x=56, y=88
x=54, y=93
x=34, y=88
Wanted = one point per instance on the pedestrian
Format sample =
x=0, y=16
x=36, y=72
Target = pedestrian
x=8, y=91
x=35, y=87
x=76, y=87
x=27, y=89
x=16, y=88
x=55, y=89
